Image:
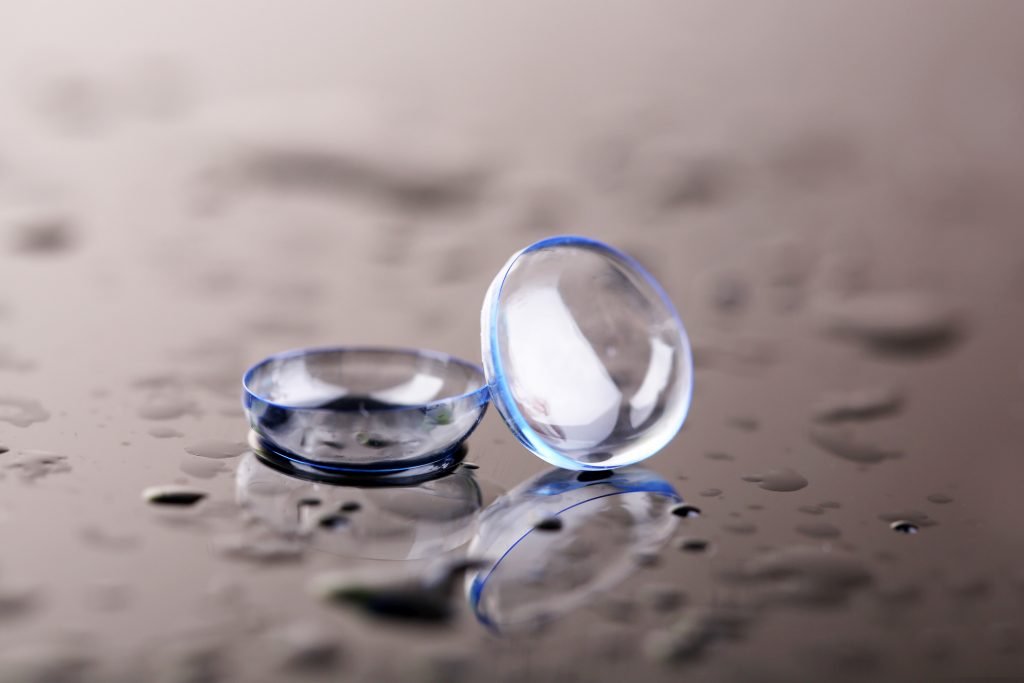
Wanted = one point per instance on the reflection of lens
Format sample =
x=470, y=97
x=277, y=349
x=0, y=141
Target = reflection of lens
x=533, y=575
x=397, y=523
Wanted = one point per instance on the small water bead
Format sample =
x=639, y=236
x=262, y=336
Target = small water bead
x=857, y=404
x=3, y=449
x=166, y=407
x=217, y=449
x=470, y=466
x=718, y=455
x=202, y=468
x=807, y=575
x=844, y=443
x=548, y=524
x=22, y=412
x=172, y=495
x=694, y=545
x=916, y=517
x=812, y=509
x=940, y=499
x=686, y=511
x=711, y=493
x=351, y=506
x=894, y=322
x=741, y=528
x=745, y=423
x=164, y=433
x=782, y=480
x=904, y=527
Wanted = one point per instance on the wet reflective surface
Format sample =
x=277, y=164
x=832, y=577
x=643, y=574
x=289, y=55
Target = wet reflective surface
x=838, y=226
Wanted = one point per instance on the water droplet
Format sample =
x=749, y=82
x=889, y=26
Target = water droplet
x=728, y=292
x=172, y=495
x=895, y=322
x=940, y=498
x=39, y=229
x=217, y=449
x=694, y=545
x=711, y=493
x=915, y=517
x=842, y=442
x=202, y=468
x=781, y=480
x=166, y=407
x=904, y=527
x=745, y=423
x=165, y=433
x=17, y=600
x=811, y=509
x=858, y=404
x=718, y=455
x=549, y=524
x=3, y=449
x=807, y=575
x=646, y=559
x=21, y=412
x=10, y=361
x=351, y=506
x=686, y=511
x=470, y=466
x=819, y=530
x=741, y=528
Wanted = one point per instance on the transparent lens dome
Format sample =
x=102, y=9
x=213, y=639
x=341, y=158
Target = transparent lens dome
x=371, y=411
x=586, y=358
